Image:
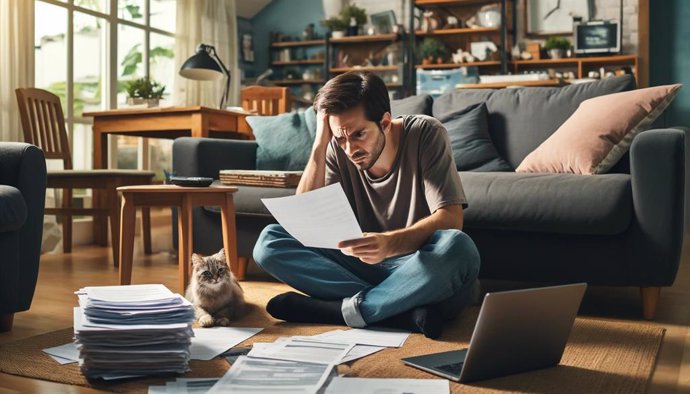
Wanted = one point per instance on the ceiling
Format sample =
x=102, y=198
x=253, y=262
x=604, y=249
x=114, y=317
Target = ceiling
x=249, y=8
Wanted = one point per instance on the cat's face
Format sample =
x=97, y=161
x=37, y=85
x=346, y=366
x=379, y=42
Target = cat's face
x=211, y=270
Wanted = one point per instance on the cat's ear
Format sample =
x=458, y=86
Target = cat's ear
x=196, y=259
x=221, y=253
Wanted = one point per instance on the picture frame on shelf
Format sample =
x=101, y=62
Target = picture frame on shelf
x=247, y=46
x=383, y=22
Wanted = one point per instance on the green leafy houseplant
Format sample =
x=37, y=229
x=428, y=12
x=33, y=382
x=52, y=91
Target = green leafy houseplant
x=334, y=24
x=144, y=90
x=431, y=50
x=556, y=46
x=352, y=11
x=561, y=43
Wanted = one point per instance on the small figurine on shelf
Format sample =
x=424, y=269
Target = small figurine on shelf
x=461, y=56
x=451, y=22
x=308, y=33
x=430, y=21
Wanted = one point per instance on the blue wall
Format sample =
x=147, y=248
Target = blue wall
x=285, y=16
x=669, y=52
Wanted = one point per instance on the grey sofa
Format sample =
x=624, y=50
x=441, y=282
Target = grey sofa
x=623, y=228
x=22, y=201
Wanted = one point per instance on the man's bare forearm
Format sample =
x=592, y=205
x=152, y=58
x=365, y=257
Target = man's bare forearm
x=410, y=239
x=314, y=175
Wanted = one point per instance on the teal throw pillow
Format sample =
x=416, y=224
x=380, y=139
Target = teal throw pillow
x=284, y=140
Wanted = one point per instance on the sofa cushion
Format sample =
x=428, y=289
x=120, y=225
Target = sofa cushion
x=248, y=198
x=553, y=203
x=473, y=150
x=284, y=141
x=413, y=105
x=521, y=119
x=13, y=211
x=594, y=138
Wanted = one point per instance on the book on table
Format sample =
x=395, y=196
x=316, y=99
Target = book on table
x=260, y=178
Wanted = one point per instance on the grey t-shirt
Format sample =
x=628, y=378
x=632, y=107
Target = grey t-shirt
x=423, y=178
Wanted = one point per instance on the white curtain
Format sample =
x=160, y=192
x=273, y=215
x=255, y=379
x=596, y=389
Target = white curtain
x=16, y=62
x=212, y=22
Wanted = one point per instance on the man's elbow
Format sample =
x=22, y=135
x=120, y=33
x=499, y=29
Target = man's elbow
x=454, y=217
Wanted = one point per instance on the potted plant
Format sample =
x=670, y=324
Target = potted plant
x=336, y=25
x=431, y=51
x=144, y=91
x=354, y=17
x=556, y=46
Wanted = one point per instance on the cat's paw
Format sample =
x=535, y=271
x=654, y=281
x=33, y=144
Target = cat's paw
x=206, y=321
x=223, y=321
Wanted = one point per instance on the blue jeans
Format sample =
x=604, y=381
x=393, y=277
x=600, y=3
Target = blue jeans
x=446, y=263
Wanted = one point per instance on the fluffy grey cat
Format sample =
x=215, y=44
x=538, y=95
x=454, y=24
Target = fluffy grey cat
x=214, y=290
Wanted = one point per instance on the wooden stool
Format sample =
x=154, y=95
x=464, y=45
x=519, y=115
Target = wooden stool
x=184, y=198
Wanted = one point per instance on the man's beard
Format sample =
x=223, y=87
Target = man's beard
x=373, y=156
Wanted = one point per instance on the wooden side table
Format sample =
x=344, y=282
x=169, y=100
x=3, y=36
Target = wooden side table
x=184, y=198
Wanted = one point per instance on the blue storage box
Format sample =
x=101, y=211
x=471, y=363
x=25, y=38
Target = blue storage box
x=436, y=82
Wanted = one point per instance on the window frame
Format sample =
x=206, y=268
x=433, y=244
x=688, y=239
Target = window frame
x=110, y=67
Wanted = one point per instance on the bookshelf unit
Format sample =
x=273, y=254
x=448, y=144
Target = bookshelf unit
x=295, y=54
x=461, y=37
x=383, y=54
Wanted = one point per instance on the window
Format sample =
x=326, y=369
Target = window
x=86, y=53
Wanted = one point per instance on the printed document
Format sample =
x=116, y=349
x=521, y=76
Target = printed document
x=258, y=375
x=319, y=219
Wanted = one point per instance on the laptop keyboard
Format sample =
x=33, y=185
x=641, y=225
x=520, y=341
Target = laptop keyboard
x=453, y=369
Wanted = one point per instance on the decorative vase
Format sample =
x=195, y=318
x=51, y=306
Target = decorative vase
x=150, y=103
x=337, y=34
x=556, y=53
x=426, y=61
x=353, y=30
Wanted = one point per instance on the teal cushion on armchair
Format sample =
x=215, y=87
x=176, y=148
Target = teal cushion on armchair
x=284, y=141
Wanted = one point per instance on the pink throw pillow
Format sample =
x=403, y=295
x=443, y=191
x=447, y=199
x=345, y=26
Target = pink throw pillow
x=599, y=133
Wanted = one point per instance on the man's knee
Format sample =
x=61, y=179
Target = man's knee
x=265, y=247
x=459, y=253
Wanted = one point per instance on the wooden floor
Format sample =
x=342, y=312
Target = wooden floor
x=60, y=275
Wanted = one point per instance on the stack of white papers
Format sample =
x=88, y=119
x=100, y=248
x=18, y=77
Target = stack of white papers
x=131, y=331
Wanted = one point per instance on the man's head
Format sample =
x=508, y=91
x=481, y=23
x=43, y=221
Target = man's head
x=359, y=116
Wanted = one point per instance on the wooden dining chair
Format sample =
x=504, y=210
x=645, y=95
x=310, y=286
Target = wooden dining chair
x=44, y=126
x=266, y=100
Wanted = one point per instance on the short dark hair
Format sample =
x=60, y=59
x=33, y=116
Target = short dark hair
x=348, y=90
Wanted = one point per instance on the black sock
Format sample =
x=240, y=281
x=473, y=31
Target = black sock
x=452, y=306
x=425, y=319
x=294, y=307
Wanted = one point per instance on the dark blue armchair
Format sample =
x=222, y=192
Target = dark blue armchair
x=22, y=202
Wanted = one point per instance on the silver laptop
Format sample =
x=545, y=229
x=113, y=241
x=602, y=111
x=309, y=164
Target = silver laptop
x=517, y=331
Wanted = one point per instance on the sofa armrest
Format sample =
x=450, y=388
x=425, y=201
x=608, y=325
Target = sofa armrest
x=659, y=173
x=206, y=156
x=24, y=167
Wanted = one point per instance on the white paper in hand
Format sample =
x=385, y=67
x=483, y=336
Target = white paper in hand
x=319, y=219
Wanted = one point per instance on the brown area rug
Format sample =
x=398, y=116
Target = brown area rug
x=601, y=356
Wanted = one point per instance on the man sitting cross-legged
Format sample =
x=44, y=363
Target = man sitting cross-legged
x=413, y=267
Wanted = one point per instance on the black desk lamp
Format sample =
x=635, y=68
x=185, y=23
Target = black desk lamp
x=205, y=65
